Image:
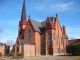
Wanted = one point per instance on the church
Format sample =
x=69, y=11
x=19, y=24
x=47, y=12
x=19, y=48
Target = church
x=40, y=38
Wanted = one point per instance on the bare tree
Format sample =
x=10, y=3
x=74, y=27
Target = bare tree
x=10, y=42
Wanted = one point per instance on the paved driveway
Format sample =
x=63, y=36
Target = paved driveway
x=46, y=58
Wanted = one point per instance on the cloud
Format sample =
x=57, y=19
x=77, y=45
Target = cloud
x=73, y=32
x=63, y=6
x=55, y=6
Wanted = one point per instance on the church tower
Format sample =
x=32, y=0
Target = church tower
x=21, y=30
x=23, y=21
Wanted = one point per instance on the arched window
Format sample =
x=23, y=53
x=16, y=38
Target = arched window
x=49, y=36
x=29, y=36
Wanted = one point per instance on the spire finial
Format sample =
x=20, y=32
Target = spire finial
x=29, y=17
x=64, y=30
x=56, y=15
x=23, y=15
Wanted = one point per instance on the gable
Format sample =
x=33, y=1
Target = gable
x=32, y=30
x=58, y=26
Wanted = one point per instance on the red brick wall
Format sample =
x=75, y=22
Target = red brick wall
x=37, y=42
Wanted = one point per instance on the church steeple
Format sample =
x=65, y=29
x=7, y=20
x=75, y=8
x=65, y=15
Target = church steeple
x=23, y=15
x=23, y=20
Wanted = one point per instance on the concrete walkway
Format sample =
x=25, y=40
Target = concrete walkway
x=44, y=58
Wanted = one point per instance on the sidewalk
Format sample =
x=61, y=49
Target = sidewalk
x=44, y=58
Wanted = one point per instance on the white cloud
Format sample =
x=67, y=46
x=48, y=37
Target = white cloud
x=73, y=32
x=55, y=6
x=63, y=6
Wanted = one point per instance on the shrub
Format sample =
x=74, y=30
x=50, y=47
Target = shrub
x=11, y=53
x=75, y=49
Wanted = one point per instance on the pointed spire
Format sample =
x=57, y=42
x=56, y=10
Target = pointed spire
x=29, y=17
x=56, y=16
x=23, y=15
x=64, y=30
x=56, y=20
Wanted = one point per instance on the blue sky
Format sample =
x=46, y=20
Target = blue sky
x=10, y=14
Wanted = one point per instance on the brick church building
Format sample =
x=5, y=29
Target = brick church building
x=40, y=38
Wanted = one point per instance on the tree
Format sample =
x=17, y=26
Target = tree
x=10, y=42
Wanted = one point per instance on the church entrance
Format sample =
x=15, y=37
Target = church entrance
x=29, y=50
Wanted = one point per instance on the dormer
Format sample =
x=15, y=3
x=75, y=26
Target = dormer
x=49, y=23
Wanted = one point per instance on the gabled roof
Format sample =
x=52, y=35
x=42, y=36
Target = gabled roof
x=43, y=24
x=49, y=19
x=36, y=25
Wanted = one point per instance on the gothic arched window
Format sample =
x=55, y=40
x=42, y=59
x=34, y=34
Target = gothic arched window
x=29, y=36
x=49, y=36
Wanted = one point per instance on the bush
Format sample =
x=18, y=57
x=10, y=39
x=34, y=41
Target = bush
x=11, y=53
x=75, y=49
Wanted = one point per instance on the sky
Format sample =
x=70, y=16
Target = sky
x=10, y=13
